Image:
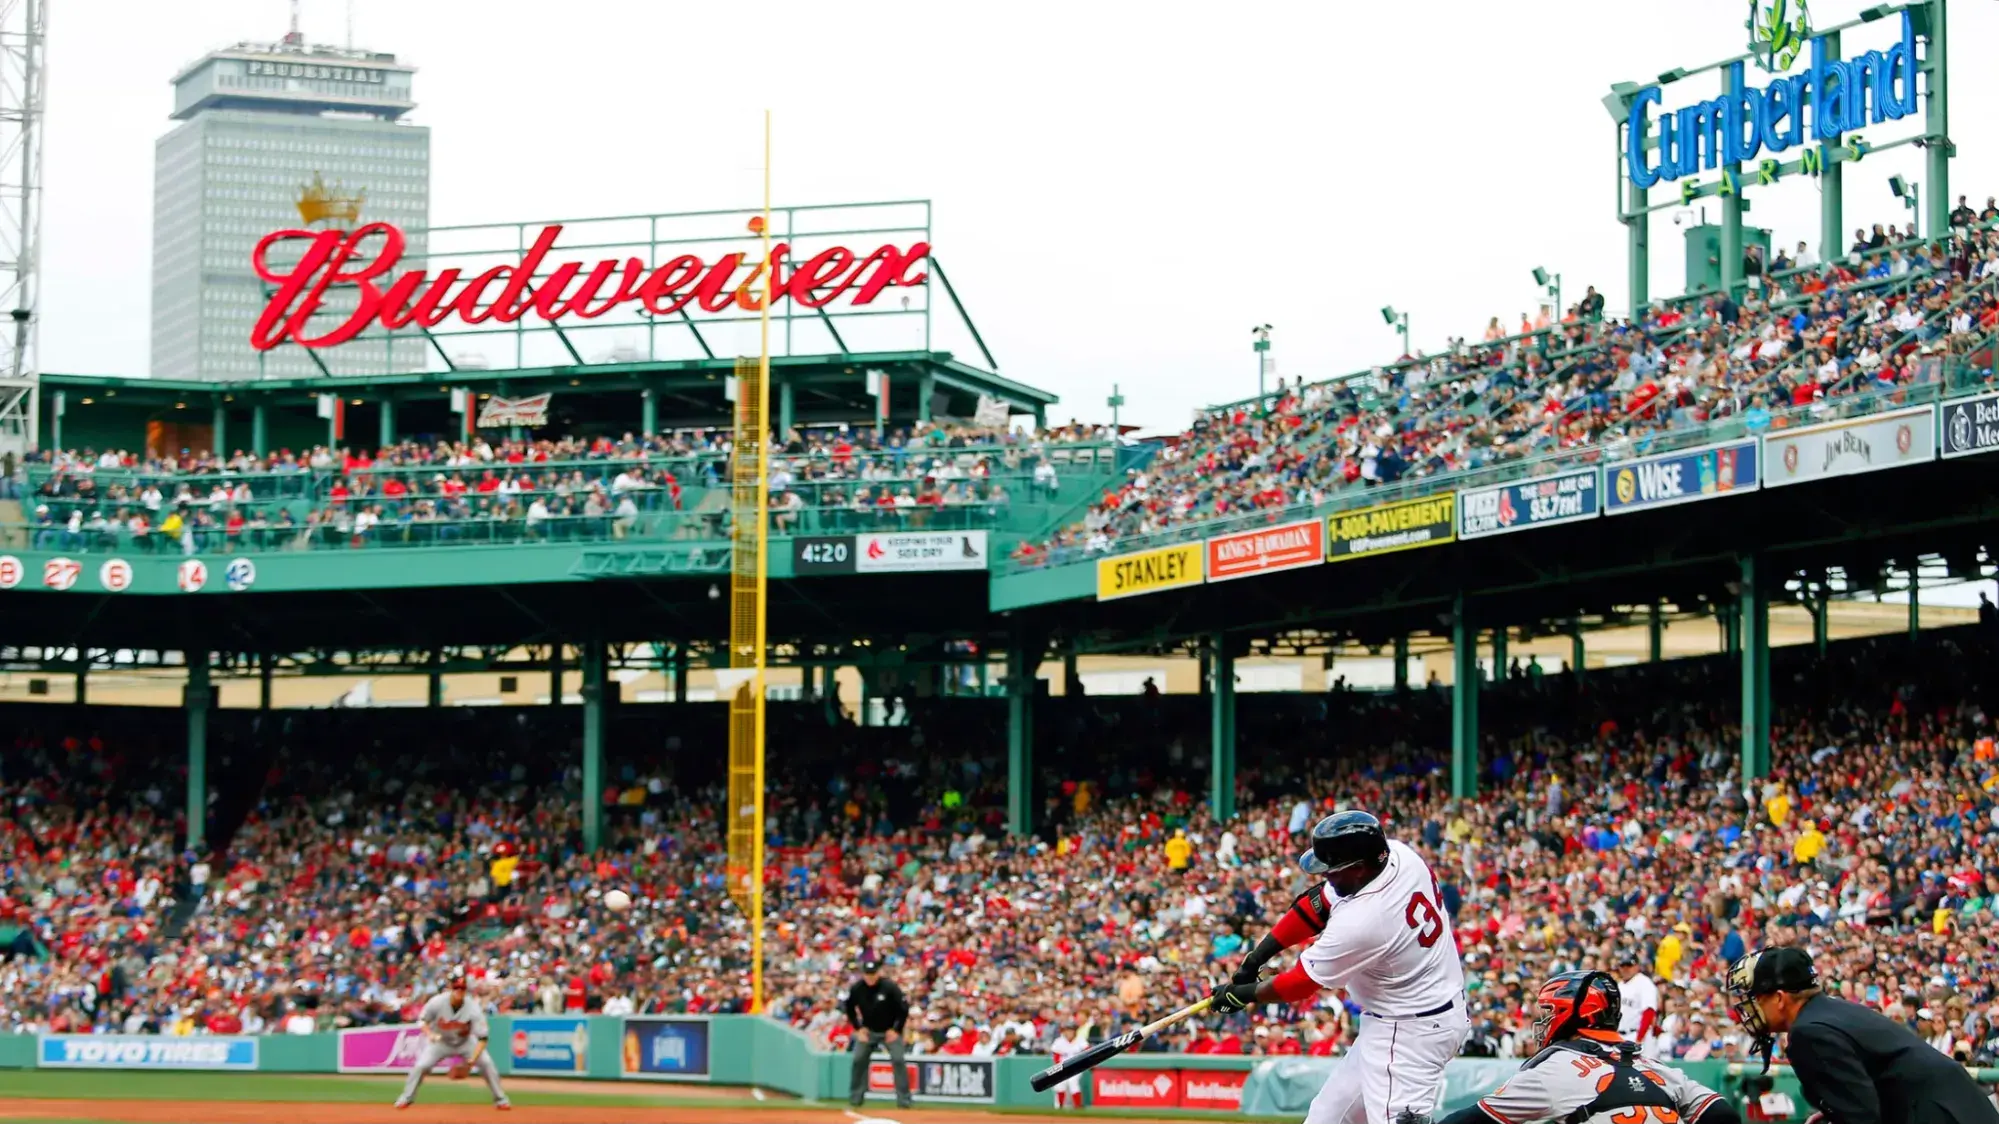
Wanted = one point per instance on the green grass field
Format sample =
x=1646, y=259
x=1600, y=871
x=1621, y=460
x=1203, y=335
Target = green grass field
x=380, y=1090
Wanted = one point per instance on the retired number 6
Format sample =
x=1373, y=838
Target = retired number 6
x=1423, y=918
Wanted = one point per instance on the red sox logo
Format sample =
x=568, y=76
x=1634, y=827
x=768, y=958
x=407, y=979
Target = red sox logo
x=1791, y=458
x=1904, y=438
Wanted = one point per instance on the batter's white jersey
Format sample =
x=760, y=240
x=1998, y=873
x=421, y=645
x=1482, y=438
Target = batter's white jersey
x=455, y=1026
x=1389, y=944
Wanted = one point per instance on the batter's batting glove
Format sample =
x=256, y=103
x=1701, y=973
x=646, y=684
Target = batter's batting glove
x=1235, y=997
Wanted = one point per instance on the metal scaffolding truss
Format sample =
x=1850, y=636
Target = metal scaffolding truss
x=23, y=32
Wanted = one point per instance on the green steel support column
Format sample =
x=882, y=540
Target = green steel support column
x=200, y=696
x=1832, y=187
x=1731, y=630
x=1731, y=205
x=648, y=411
x=1221, y=735
x=83, y=678
x=1821, y=623
x=680, y=662
x=1915, y=605
x=984, y=674
x=592, y=659
x=1069, y=675
x=1656, y=625
x=219, y=440
x=1638, y=237
x=1402, y=662
x=555, y=675
x=1754, y=614
x=1464, y=701
x=259, y=443
x=435, y=695
x=266, y=664
x=925, y=387
x=1936, y=182
x=1019, y=737
x=388, y=426
x=1578, y=654
x=787, y=407
x=1499, y=654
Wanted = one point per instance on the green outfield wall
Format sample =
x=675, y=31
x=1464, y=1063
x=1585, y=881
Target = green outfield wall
x=749, y=1051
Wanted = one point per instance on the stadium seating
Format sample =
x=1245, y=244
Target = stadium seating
x=1887, y=323
x=347, y=873
x=666, y=487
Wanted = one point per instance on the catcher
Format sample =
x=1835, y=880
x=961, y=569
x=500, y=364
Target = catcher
x=454, y=1025
x=1586, y=1071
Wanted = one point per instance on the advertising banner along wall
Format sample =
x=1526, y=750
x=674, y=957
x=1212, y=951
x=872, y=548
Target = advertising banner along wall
x=1400, y=526
x=920, y=550
x=382, y=1050
x=943, y=1080
x=1561, y=498
x=1167, y=1088
x=549, y=1044
x=148, y=1052
x=1680, y=478
x=1148, y=572
x=1840, y=449
x=1971, y=425
x=1285, y=547
x=666, y=1048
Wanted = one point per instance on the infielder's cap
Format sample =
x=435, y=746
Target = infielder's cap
x=455, y=978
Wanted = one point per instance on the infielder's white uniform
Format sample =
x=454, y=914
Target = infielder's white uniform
x=1390, y=946
x=453, y=1031
x=1062, y=1050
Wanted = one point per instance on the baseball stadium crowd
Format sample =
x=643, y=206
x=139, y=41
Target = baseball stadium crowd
x=346, y=874
x=1807, y=339
x=480, y=490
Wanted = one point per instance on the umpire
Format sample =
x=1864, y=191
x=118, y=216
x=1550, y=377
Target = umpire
x=878, y=1010
x=1854, y=1063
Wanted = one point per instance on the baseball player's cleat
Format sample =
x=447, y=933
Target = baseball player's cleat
x=503, y=1106
x=401, y=1104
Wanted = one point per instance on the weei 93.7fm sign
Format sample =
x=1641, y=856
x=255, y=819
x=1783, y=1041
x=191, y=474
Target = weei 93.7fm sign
x=363, y=259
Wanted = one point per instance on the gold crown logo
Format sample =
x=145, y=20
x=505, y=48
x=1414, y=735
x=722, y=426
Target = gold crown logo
x=334, y=206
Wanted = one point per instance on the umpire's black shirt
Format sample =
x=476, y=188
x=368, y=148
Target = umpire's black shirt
x=877, y=1007
x=1856, y=1064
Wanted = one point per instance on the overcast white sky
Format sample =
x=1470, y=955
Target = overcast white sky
x=1120, y=191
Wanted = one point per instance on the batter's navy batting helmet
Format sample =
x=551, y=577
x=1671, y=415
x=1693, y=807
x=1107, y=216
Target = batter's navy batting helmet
x=1344, y=840
x=1572, y=1002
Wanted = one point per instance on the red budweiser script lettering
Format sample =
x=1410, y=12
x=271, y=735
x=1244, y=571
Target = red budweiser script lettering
x=1286, y=547
x=506, y=293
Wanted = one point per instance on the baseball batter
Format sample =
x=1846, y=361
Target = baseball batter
x=453, y=1025
x=1584, y=1070
x=1377, y=929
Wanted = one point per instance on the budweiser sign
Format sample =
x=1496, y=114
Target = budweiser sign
x=365, y=258
x=530, y=412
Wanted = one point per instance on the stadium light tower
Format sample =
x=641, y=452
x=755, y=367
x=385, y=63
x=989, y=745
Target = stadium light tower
x=23, y=31
x=1398, y=321
x=1552, y=282
x=1910, y=193
x=1260, y=343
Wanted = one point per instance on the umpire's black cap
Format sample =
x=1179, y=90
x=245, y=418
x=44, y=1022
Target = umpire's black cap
x=1784, y=969
x=871, y=964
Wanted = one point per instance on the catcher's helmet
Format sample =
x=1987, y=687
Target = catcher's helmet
x=1347, y=843
x=1578, y=1001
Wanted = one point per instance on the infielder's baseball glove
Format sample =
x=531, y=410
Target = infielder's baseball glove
x=461, y=1069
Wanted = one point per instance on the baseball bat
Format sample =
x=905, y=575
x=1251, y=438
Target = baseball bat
x=1110, y=1048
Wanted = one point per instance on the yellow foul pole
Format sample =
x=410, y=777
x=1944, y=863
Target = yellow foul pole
x=749, y=538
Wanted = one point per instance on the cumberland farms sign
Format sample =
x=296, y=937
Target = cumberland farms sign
x=365, y=259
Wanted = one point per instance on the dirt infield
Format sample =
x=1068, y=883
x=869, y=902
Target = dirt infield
x=303, y=1113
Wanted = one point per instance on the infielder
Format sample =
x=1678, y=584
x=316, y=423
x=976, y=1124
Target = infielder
x=1377, y=929
x=1585, y=1070
x=1068, y=1044
x=454, y=1024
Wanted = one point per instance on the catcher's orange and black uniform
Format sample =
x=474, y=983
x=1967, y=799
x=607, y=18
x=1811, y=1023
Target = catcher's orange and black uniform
x=1594, y=1076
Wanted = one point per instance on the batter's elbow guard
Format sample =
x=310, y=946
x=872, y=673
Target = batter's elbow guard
x=1303, y=922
